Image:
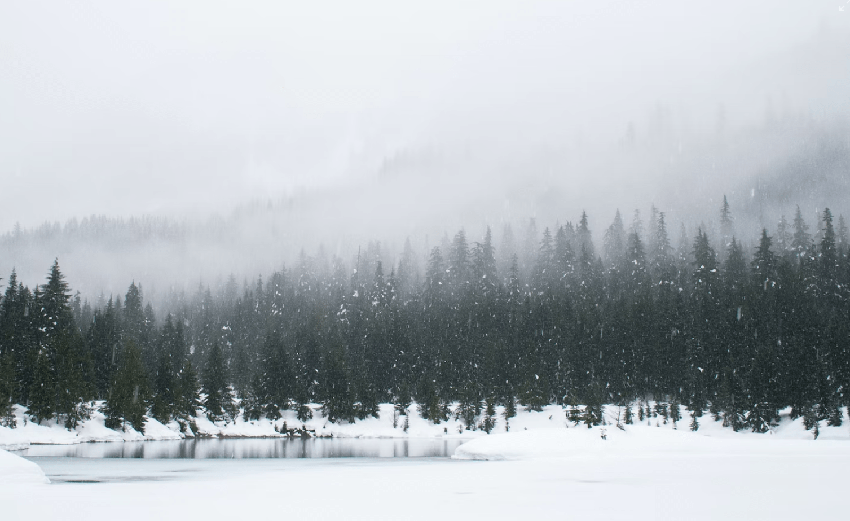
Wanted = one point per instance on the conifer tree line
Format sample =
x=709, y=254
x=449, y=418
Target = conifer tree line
x=721, y=327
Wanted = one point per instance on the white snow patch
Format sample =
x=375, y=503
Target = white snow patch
x=16, y=470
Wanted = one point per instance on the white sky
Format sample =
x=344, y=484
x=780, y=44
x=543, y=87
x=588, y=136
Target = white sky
x=186, y=107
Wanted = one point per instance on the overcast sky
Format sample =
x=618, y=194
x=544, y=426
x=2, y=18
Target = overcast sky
x=186, y=107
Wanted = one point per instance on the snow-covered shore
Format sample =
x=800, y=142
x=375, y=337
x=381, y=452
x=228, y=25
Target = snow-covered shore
x=548, y=469
x=650, y=436
x=387, y=425
x=391, y=425
x=17, y=470
x=644, y=472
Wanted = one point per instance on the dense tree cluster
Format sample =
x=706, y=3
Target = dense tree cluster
x=740, y=332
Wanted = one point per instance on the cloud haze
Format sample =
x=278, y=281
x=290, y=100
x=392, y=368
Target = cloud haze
x=131, y=108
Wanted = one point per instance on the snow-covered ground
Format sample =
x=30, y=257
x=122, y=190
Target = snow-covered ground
x=544, y=467
x=16, y=471
x=94, y=430
x=644, y=472
x=387, y=425
x=543, y=470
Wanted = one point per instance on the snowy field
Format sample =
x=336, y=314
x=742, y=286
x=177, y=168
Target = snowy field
x=627, y=476
x=647, y=471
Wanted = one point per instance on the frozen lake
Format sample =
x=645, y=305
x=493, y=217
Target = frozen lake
x=254, y=448
x=170, y=460
x=638, y=475
x=192, y=459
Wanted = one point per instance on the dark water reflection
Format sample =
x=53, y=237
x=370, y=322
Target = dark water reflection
x=248, y=448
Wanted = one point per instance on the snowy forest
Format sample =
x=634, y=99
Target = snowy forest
x=738, y=332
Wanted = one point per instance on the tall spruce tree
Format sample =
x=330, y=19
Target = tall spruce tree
x=219, y=399
x=127, y=402
x=42, y=389
x=801, y=240
x=7, y=389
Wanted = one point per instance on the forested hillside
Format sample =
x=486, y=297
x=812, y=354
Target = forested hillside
x=721, y=327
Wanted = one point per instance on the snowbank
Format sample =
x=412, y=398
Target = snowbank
x=651, y=436
x=789, y=481
x=390, y=424
x=580, y=442
x=53, y=432
x=386, y=425
x=16, y=470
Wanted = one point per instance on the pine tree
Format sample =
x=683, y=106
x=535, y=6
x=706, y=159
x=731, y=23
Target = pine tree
x=784, y=238
x=544, y=270
x=252, y=408
x=564, y=257
x=842, y=237
x=170, y=354
x=7, y=389
x=615, y=241
x=276, y=377
x=55, y=313
x=128, y=393
x=627, y=416
x=407, y=271
x=764, y=262
x=694, y=422
x=339, y=402
x=675, y=412
x=735, y=268
x=828, y=254
x=163, y=401
x=42, y=390
x=661, y=267
x=73, y=374
x=801, y=240
x=574, y=415
x=727, y=229
x=188, y=393
x=583, y=236
x=17, y=337
x=510, y=409
x=458, y=268
x=219, y=399
x=469, y=406
x=489, y=422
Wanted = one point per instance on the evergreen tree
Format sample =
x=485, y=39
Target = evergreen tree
x=764, y=262
x=784, y=238
x=489, y=422
x=727, y=229
x=660, y=254
x=828, y=254
x=694, y=422
x=627, y=416
x=219, y=399
x=42, y=389
x=128, y=393
x=73, y=374
x=615, y=241
x=842, y=237
x=164, y=400
x=7, y=389
x=801, y=240
x=675, y=412
x=188, y=393
x=583, y=236
x=741, y=342
x=339, y=402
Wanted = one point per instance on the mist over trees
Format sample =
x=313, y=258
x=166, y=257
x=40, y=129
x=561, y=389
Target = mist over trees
x=555, y=314
x=421, y=194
